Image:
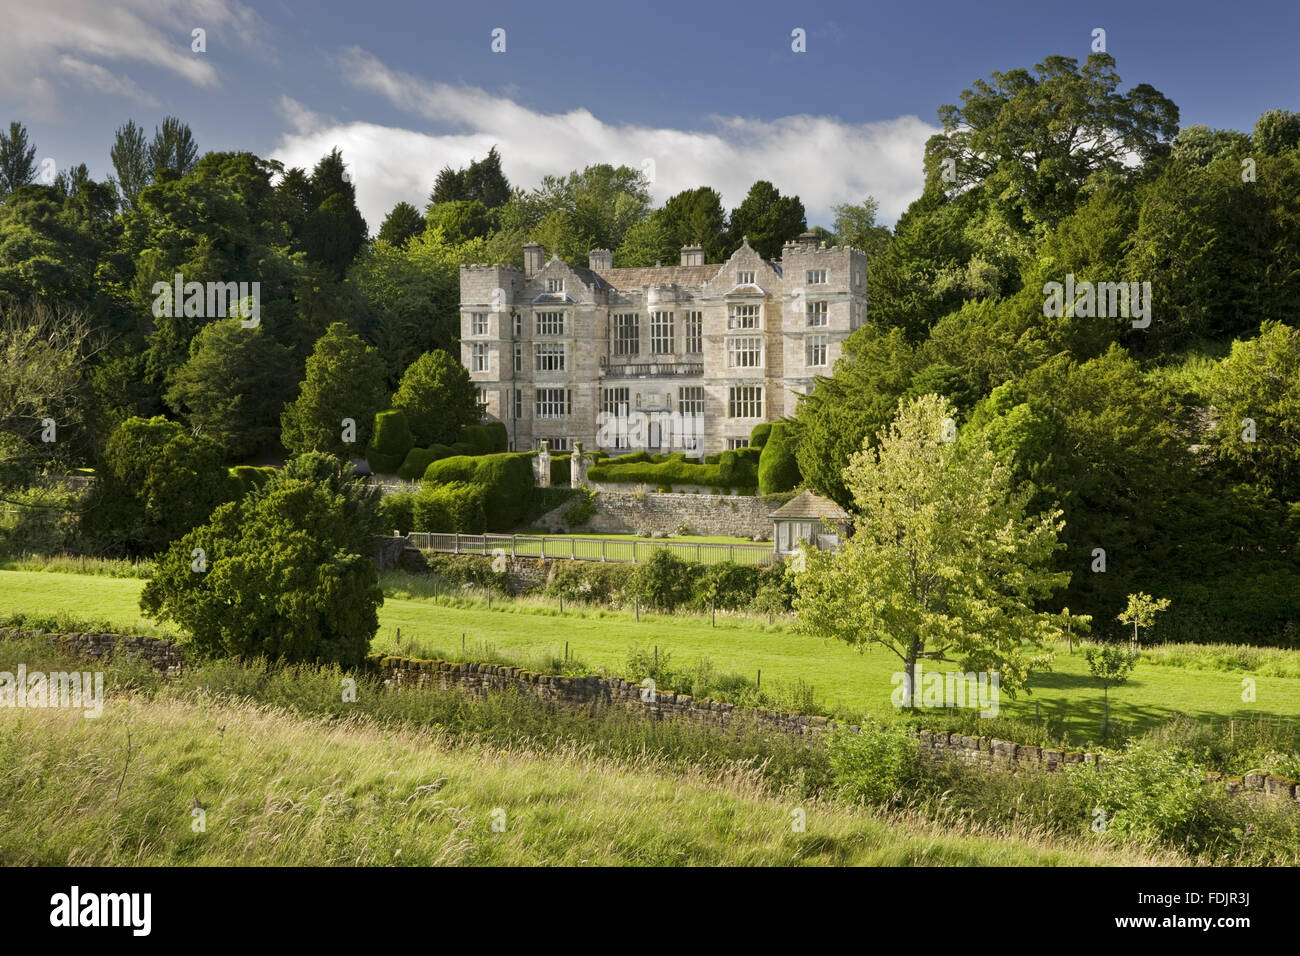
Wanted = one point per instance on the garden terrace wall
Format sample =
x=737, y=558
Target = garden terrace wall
x=161, y=655
x=624, y=512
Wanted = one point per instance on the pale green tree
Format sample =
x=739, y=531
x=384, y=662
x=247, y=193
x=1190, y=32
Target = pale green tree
x=1141, y=612
x=944, y=564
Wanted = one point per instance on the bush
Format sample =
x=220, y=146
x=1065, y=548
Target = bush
x=438, y=397
x=664, y=582
x=471, y=570
x=453, y=507
x=294, y=541
x=726, y=585
x=464, y=448
x=777, y=468
x=874, y=766
x=589, y=581
x=581, y=511
x=390, y=443
x=397, y=512
x=758, y=437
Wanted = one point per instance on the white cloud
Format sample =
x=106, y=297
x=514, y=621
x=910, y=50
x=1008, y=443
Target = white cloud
x=823, y=159
x=88, y=44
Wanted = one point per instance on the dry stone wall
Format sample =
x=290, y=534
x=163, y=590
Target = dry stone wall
x=163, y=656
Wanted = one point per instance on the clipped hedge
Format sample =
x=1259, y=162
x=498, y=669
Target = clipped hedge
x=506, y=479
x=418, y=461
x=498, y=438
x=758, y=437
x=390, y=442
x=454, y=507
x=777, y=468
x=478, y=438
x=561, y=469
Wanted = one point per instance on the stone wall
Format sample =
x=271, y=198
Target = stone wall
x=161, y=655
x=625, y=512
x=478, y=679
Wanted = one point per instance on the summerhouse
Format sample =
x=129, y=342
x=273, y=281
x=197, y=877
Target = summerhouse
x=808, y=517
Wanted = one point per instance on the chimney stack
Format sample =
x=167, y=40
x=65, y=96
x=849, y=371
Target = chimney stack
x=692, y=255
x=534, y=257
x=600, y=260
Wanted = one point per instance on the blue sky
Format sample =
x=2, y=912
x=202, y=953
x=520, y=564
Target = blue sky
x=695, y=93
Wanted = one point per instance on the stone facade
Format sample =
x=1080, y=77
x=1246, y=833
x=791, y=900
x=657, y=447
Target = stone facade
x=552, y=346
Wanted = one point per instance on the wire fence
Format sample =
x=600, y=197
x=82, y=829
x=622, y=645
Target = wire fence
x=587, y=549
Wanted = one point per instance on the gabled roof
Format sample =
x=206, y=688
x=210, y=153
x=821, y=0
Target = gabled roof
x=660, y=275
x=806, y=505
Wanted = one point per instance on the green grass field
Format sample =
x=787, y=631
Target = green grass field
x=618, y=547
x=279, y=789
x=841, y=677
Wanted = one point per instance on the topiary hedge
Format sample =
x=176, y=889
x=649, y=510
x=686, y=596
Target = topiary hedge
x=390, y=442
x=506, y=479
x=778, y=470
x=248, y=477
x=758, y=437
x=498, y=438
x=418, y=461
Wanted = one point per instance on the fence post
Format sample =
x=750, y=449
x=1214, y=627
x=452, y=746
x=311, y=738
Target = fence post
x=602, y=549
x=573, y=549
x=455, y=547
x=697, y=554
x=731, y=553
x=514, y=545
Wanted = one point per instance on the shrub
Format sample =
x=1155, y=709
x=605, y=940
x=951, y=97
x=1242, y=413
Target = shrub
x=758, y=437
x=777, y=468
x=397, y=512
x=438, y=397
x=467, y=569
x=418, y=461
x=391, y=442
x=293, y=541
x=665, y=581
x=588, y=581
x=726, y=585
x=454, y=507
x=463, y=448
x=873, y=766
x=581, y=511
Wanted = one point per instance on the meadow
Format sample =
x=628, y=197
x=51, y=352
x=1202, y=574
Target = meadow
x=1204, y=682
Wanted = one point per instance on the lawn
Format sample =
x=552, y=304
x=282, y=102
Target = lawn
x=616, y=547
x=839, y=675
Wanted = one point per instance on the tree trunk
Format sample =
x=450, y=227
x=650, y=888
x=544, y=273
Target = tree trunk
x=909, y=679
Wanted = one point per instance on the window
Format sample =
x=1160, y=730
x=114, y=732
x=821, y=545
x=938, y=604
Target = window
x=479, y=323
x=614, y=401
x=548, y=356
x=815, y=277
x=483, y=399
x=857, y=315
x=690, y=400
x=745, y=401
x=552, y=403
x=519, y=324
x=817, y=313
x=480, y=360
x=858, y=277
x=661, y=333
x=554, y=285
x=550, y=323
x=694, y=332
x=743, y=317
x=744, y=278
x=745, y=351
x=625, y=334
x=519, y=403
x=734, y=443
x=519, y=357
x=557, y=444
x=815, y=350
